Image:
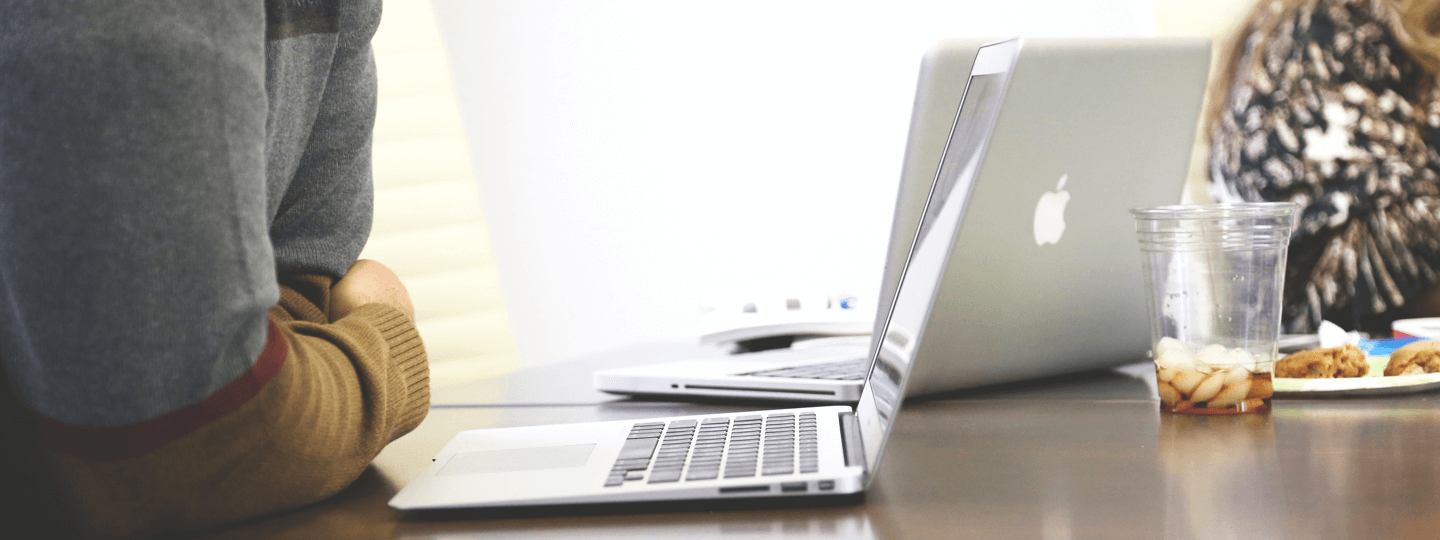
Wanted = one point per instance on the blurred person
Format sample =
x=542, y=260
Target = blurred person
x=186, y=336
x=1333, y=104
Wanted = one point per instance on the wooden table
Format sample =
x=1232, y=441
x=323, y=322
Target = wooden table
x=1083, y=456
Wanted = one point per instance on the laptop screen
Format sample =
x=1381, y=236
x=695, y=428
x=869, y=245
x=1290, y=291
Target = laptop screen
x=969, y=134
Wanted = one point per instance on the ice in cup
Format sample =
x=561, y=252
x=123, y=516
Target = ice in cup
x=1215, y=274
x=1214, y=380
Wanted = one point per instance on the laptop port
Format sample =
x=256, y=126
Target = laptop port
x=791, y=487
x=825, y=485
x=744, y=489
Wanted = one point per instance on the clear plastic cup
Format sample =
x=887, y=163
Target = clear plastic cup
x=1215, y=274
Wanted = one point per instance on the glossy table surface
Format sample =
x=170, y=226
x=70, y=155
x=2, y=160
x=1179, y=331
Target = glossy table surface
x=1081, y=456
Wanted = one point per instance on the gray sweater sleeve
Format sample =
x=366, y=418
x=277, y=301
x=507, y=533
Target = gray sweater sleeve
x=318, y=152
x=136, y=265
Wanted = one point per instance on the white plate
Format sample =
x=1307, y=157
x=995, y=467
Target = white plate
x=1373, y=383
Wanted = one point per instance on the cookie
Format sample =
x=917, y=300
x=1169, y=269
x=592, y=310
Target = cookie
x=1332, y=363
x=1414, y=359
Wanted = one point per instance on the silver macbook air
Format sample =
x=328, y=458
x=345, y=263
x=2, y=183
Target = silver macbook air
x=832, y=450
x=1041, y=167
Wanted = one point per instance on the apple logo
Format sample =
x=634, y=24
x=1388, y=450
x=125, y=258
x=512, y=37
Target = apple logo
x=1050, y=214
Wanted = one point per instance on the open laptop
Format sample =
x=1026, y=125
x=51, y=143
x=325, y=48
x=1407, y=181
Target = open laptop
x=832, y=450
x=1045, y=273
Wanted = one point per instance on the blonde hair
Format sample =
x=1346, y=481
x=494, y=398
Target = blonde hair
x=1415, y=24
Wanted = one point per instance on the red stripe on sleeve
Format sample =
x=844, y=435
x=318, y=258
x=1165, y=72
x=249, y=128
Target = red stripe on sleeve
x=138, y=439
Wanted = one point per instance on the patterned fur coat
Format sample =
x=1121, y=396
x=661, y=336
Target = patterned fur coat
x=1328, y=111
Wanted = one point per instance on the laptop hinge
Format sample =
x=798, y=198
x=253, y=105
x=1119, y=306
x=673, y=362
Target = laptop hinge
x=850, y=440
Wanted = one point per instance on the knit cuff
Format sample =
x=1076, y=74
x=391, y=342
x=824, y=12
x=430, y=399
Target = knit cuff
x=408, y=379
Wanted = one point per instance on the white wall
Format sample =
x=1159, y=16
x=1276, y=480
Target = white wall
x=636, y=157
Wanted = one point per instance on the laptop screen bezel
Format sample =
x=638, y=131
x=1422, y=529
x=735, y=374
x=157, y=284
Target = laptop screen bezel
x=996, y=58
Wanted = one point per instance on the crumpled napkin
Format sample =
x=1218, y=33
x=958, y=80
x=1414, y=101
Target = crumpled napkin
x=1331, y=335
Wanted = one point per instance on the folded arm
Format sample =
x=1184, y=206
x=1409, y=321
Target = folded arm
x=144, y=337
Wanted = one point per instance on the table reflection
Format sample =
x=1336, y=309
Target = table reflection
x=1222, y=477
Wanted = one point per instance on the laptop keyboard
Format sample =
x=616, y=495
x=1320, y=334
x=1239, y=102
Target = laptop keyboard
x=842, y=370
x=690, y=450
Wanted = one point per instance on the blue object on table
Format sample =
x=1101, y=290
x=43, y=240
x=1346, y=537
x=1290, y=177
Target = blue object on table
x=1382, y=347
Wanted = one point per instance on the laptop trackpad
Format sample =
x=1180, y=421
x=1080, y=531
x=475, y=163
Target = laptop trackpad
x=519, y=459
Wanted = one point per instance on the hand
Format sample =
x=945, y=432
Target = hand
x=368, y=282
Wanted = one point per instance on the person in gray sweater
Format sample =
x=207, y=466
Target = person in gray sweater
x=169, y=170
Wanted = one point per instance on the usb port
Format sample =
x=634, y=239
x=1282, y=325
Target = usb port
x=791, y=487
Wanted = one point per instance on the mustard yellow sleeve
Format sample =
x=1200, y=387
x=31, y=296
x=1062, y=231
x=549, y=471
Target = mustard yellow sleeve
x=344, y=390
